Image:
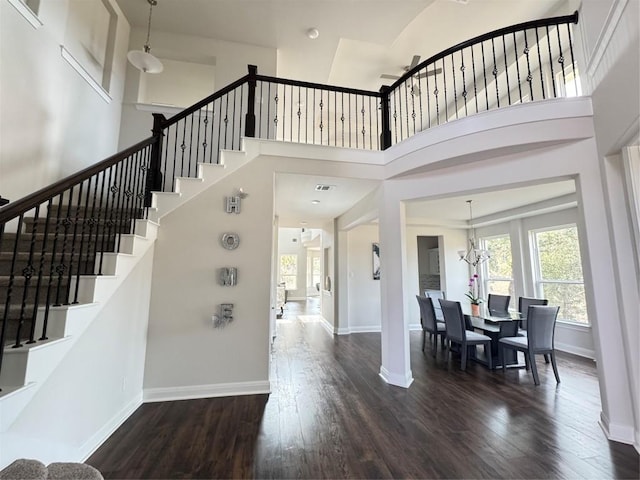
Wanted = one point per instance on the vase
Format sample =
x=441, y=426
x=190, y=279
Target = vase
x=475, y=310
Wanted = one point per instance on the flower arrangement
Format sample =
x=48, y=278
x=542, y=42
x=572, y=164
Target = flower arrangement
x=473, y=294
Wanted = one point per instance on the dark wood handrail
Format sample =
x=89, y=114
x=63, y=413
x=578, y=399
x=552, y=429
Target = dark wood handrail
x=317, y=86
x=12, y=210
x=545, y=22
x=205, y=101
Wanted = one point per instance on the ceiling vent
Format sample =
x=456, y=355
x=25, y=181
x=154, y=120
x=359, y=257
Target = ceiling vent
x=324, y=188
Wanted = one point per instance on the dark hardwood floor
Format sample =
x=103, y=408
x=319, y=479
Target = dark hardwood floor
x=331, y=416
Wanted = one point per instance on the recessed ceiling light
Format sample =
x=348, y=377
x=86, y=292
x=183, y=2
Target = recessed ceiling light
x=303, y=223
x=315, y=202
x=313, y=33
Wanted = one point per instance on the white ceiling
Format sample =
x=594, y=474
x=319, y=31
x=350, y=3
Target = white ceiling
x=359, y=40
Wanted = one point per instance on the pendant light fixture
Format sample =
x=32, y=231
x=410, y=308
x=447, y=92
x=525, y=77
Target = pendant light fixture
x=474, y=256
x=142, y=59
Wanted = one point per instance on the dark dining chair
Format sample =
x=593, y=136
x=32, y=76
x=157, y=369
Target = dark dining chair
x=436, y=295
x=523, y=307
x=498, y=304
x=429, y=323
x=456, y=332
x=538, y=341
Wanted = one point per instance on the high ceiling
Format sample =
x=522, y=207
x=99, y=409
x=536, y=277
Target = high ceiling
x=358, y=41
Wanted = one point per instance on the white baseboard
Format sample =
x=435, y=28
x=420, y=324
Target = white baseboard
x=618, y=433
x=398, y=380
x=328, y=327
x=98, y=438
x=581, y=352
x=167, y=394
x=415, y=326
x=365, y=329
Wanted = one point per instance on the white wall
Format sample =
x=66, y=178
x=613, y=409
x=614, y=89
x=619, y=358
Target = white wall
x=362, y=290
x=453, y=272
x=328, y=254
x=229, y=60
x=97, y=385
x=52, y=122
x=186, y=356
x=287, y=246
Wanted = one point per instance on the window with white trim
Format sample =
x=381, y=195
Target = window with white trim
x=289, y=271
x=558, y=271
x=498, y=271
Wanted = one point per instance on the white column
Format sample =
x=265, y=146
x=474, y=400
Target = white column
x=616, y=418
x=395, y=368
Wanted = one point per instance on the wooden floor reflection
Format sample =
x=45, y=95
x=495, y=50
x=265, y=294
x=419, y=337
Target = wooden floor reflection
x=330, y=415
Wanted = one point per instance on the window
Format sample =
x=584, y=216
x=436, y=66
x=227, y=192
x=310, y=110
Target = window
x=289, y=271
x=498, y=273
x=558, y=272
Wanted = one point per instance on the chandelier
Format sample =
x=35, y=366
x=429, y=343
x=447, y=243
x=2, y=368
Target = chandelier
x=474, y=256
x=142, y=59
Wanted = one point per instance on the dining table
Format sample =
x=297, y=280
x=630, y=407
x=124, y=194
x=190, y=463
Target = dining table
x=495, y=325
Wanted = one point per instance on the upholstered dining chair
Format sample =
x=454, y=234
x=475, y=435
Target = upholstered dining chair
x=429, y=323
x=498, y=304
x=456, y=332
x=523, y=307
x=436, y=295
x=538, y=341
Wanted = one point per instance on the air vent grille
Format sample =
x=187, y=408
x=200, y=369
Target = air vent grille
x=324, y=188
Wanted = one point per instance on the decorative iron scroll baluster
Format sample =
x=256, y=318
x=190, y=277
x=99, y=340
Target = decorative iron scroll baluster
x=446, y=99
x=475, y=85
x=495, y=71
x=41, y=271
x=321, y=105
x=28, y=273
x=428, y=102
x=561, y=60
x=553, y=80
x=435, y=94
x=529, y=76
x=62, y=266
x=464, y=82
x=364, y=131
x=76, y=220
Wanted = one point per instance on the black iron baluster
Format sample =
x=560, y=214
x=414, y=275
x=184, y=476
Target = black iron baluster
x=395, y=116
x=349, y=117
x=198, y=138
x=60, y=269
x=428, y=101
x=306, y=115
x=544, y=93
x=165, y=150
x=268, y=119
x=260, y=111
x=76, y=220
x=455, y=88
x=175, y=158
x=328, y=117
x=291, y=116
x=561, y=60
x=83, y=235
x=102, y=218
x=299, y=113
x=529, y=76
x=406, y=103
x=226, y=121
x=191, y=162
x=484, y=75
x=12, y=275
x=122, y=184
x=342, y=117
x=517, y=57
x=426, y=74
x=495, y=71
x=219, y=137
x=364, y=131
x=27, y=273
x=106, y=228
x=335, y=119
x=36, y=302
x=506, y=69
x=464, y=82
x=276, y=99
x=446, y=100
x=284, y=112
x=321, y=125
x=183, y=147
x=313, y=124
x=475, y=84
x=553, y=80
x=233, y=120
x=435, y=93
